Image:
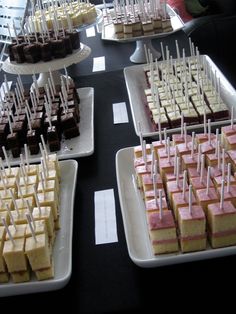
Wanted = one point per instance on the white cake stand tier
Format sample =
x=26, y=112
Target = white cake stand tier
x=43, y=68
x=139, y=55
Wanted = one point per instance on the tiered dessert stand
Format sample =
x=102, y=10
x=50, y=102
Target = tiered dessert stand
x=139, y=55
x=43, y=68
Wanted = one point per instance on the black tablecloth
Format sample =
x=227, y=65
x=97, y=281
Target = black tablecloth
x=104, y=279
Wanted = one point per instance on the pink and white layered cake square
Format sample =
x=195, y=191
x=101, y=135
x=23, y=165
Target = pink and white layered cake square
x=162, y=232
x=192, y=227
x=222, y=224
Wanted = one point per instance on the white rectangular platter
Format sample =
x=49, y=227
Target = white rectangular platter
x=62, y=251
x=134, y=219
x=136, y=83
x=80, y=146
x=108, y=32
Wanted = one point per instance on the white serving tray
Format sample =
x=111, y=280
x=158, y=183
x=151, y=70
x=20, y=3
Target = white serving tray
x=62, y=251
x=136, y=83
x=80, y=146
x=134, y=219
x=108, y=32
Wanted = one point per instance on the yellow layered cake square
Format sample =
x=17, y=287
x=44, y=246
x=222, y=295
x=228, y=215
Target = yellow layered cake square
x=192, y=227
x=222, y=224
x=46, y=273
x=14, y=255
x=162, y=232
x=46, y=214
x=38, y=252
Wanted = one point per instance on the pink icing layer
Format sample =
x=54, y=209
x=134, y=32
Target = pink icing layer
x=213, y=158
x=202, y=137
x=197, y=184
x=207, y=148
x=223, y=233
x=147, y=179
x=202, y=196
x=178, y=138
x=218, y=180
x=164, y=163
x=152, y=205
x=228, y=195
x=228, y=208
x=192, y=238
x=189, y=160
x=157, y=144
x=151, y=194
x=143, y=169
x=166, y=222
x=192, y=172
x=172, y=177
x=232, y=154
x=180, y=200
x=140, y=161
x=196, y=214
x=139, y=148
x=228, y=130
x=183, y=148
x=168, y=241
x=231, y=139
x=163, y=154
x=172, y=187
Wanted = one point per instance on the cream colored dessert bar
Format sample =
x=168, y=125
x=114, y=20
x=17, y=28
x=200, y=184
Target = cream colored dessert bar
x=31, y=170
x=8, y=183
x=46, y=273
x=39, y=227
x=46, y=214
x=5, y=194
x=29, y=180
x=192, y=227
x=38, y=252
x=2, y=239
x=19, y=216
x=50, y=185
x=138, y=151
x=14, y=255
x=52, y=162
x=26, y=191
x=21, y=276
x=12, y=172
x=4, y=203
x=4, y=277
x=51, y=175
x=16, y=232
x=49, y=199
x=4, y=214
x=21, y=202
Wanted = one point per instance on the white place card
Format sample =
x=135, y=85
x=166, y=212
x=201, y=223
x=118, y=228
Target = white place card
x=99, y=64
x=90, y=32
x=105, y=217
x=120, y=114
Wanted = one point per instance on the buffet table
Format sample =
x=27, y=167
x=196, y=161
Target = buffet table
x=104, y=279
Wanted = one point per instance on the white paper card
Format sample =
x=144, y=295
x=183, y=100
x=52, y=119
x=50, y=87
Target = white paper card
x=5, y=87
x=90, y=32
x=105, y=217
x=120, y=114
x=99, y=64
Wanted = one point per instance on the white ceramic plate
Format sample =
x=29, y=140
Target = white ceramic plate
x=108, y=32
x=134, y=219
x=62, y=250
x=136, y=83
x=82, y=145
